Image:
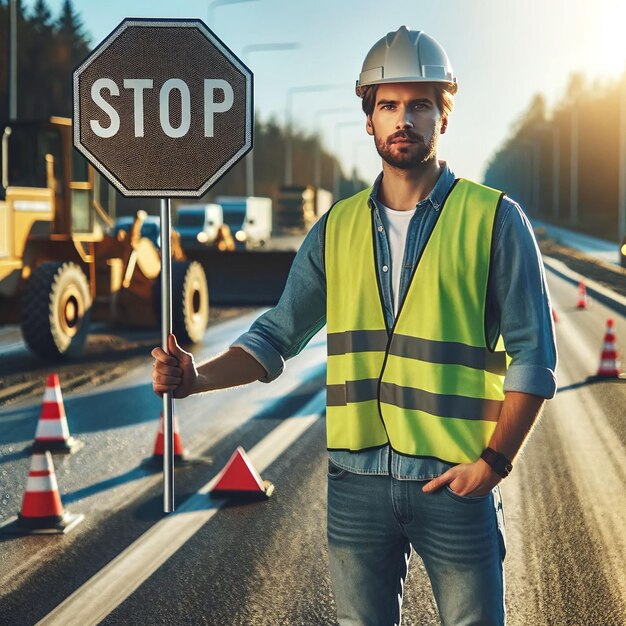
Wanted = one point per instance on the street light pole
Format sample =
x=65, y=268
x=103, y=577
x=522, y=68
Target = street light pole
x=219, y=3
x=573, y=168
x=621, y=210
x=338, y=128
x=317, y=176
x=246, y=52
x=355, y=154
x=13, y=61
x=288, y=123
x=553, y=129
x=556, y=171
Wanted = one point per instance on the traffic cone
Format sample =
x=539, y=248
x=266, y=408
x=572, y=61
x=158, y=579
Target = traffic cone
x=609, y=359
x=240, y=479
x=180, y=454
x=42, y=511
x=52, y=431
x=583, y=301
x=555, y=317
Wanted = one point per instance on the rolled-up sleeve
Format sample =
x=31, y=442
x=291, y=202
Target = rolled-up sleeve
x=283, y=331
x=521, y=306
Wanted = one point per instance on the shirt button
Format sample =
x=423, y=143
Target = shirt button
x=385, y=268
x=380, y=229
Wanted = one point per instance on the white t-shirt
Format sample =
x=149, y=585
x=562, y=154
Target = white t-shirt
x=396, y=225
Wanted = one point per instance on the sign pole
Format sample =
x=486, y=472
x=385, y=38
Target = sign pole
x=166, y=329
x=190, y=116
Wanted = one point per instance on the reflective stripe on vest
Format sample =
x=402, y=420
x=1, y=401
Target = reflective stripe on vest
x=431, y=386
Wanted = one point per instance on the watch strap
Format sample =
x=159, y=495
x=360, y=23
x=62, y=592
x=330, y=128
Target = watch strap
x=498, y=462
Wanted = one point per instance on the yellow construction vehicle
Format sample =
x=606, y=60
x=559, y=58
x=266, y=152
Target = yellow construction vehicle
x=59, y=268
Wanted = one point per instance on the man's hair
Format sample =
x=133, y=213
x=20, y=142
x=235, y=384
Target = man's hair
x=444, y=99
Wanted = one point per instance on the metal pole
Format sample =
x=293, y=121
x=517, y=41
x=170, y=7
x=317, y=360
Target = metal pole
x=317, y=169
x=573, y=177
x=336, y=172
x=13, y=61
x=247, y=50
x=288, y=147
x=355, y=155
x=536, y=156
x=556, y=171
x=317, y=172
x=166, y=329
x=288, y=123
x=250, y=173
x=528, y=190
x=621, y=210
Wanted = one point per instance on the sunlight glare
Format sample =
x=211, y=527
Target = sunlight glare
x=612, y=43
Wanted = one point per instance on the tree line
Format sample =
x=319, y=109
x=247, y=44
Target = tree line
x=562, y=163
x=51, y=46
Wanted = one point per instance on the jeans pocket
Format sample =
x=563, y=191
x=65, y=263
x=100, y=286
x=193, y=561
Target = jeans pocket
x=468, y=499
x=335, y=472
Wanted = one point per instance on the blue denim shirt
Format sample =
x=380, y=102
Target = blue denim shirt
x=518, y=306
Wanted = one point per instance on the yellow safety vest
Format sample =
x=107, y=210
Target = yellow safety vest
x=431, y=386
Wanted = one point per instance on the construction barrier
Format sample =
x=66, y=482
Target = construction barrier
x=52, y=431
x=42, y=511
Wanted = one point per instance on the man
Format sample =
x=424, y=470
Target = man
x=422, y=280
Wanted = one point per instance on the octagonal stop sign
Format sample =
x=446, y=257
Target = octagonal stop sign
x=163, y=108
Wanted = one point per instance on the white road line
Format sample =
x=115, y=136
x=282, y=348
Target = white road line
x=100, y=595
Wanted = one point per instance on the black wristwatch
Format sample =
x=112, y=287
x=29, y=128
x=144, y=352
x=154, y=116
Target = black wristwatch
x=497, y=462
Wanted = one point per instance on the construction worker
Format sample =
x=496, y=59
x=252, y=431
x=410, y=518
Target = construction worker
x=441, y=353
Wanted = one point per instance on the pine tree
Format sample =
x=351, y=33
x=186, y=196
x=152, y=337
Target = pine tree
x=71, y=47
x=41, y=18
x=71, y=33
x=38, y=62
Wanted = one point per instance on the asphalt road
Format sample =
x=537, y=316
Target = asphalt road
x=109, y=353
x=266, y=563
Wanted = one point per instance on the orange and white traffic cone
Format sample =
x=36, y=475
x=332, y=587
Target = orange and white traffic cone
x=180, y=454
x=583, y=301
x=555, y=317
x=609, y=359
x=42, y=511
x=239, y=478
x=52, y=431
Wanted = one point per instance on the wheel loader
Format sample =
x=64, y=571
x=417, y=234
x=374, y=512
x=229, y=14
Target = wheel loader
x=59, y=267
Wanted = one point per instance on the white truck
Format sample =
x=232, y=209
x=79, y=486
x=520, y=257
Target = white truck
x=249, y=219
x=198, y=225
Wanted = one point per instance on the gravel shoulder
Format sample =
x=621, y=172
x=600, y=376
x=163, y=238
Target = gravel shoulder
x=611, y=276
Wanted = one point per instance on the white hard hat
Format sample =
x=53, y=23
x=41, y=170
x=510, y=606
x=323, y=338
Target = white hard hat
x=406, y=56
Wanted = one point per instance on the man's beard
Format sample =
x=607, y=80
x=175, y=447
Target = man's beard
x=411, y=156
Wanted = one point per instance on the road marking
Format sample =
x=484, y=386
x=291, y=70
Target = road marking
x=100, y=595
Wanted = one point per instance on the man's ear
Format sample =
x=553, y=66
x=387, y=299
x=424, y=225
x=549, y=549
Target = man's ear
x=444, y=125
x=369, y=126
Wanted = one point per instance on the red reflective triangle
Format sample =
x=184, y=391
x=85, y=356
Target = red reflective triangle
x=239, y=474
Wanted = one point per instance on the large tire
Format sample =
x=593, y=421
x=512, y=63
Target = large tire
x=190, y=301
x=56, y=309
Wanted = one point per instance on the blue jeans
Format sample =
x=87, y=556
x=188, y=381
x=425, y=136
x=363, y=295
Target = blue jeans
x=375, y=521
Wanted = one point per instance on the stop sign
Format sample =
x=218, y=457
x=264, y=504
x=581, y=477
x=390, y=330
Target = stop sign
x=162, y=108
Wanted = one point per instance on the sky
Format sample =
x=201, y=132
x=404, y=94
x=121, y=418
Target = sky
x=502, y=52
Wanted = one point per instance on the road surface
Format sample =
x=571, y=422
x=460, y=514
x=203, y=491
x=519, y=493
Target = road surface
x=216, y=562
